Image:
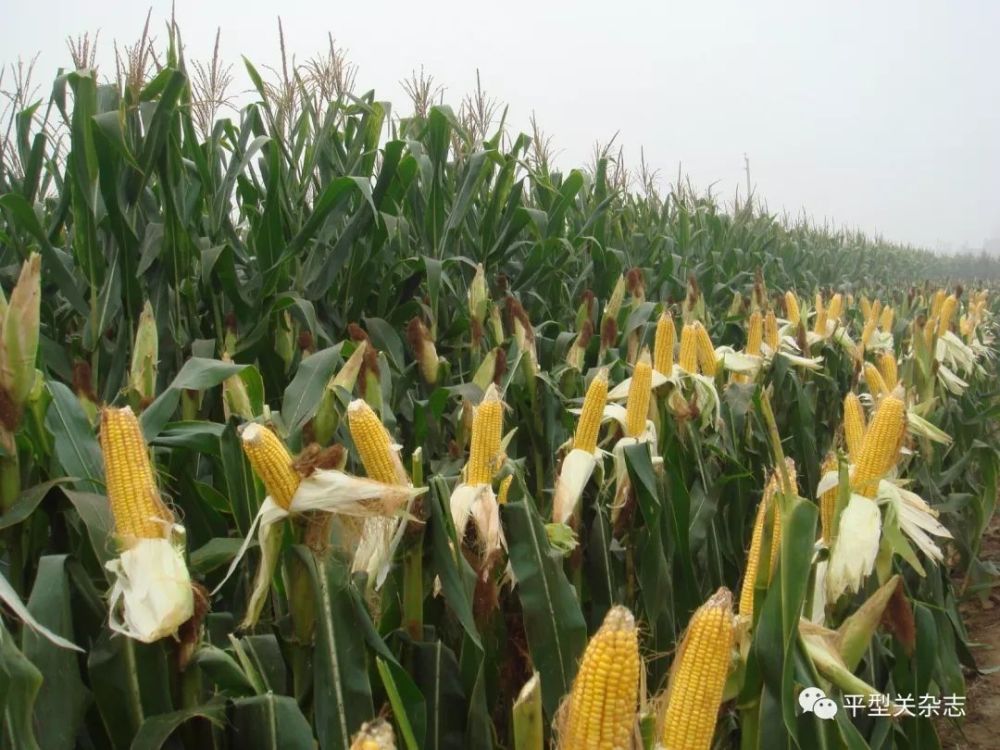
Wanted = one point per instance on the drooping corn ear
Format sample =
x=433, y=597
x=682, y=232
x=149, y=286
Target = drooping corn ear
x=698, y=676
x=706, y=351
x=854, y=425
x=689, y=349
x=585, y=437
x=136, y=507
x=663, y=344
x=880, y=448
x=272, y=462
x=374, y=445
x=637, y=405
x=600, y=711
x=792, y=308
x=487, y=431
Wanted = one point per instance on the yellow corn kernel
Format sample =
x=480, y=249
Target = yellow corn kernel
x=828, y=501
x=601, y=708
x=589, y=425
x=888, y=315
x=771, y=336
x=757, y=538
x=948, y=308
x=755, y=333
x=936, y=302
x=689, y=349
x=706, y=351
x=819, y=324
x=866, y=307
x=637, y=405
x=487, y=430
x=374, y=444
x=836, y=308
x=876, y=385
x=136, y=507
x=889, y=369
x=663, y=344
x=854, y=425
x=504, y=490
x=881, y=445
x=698, y=675
x=792, y=308
x=272, y=462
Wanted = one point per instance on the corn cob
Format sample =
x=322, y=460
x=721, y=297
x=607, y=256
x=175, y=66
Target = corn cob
x=854, y=425
x=792, y=308
x=836, y=307
x=819, y=325
x=374, y=444
x=600, y=711
x=136, y=507
x=876, y=311
x=689, y=349
x=706, y=351
x=936, y=302
x=828, y=501
x=487, y=430
x=890, y=371
x=874, y=379
x=866, y=307
x=698, y=676
x=755, y=334
x=637, y=405
x=881, y=445
x=885, y=323
x=948, y=308
x=589, y=425
x=867, y=331
x=771, y=336
x=504, y=490
x=272, y=462
x=757, y=539
x=663, y=345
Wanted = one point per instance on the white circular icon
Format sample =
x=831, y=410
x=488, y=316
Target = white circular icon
x=808, y=698
x=825, y=708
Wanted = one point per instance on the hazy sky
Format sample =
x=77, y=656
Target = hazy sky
x=881, y=115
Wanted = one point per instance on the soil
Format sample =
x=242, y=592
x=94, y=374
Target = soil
x=982, y=705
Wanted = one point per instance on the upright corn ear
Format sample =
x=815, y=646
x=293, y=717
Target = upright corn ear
x=937, y=301
x=663, y=344
x=589, y=425
x=272, y=462
x=867, y=331
x=836, y=308
x=828, y=501
x=600, y=712
x=136, y=507
x=792, y=308
x=886, y=321
x=637, y=405
x=755, y=333
x=876, y=384
x=771, y=335
x=698, y=676
x=866, y=307
x=706, y=351
x=819, y=324
x=19, y=332
x=145, y=358
x=374, y=445
x=888, y=368
x=881, y=445
x=854, y=425
x=487, y=430
x=948, y=308
x=688, y=360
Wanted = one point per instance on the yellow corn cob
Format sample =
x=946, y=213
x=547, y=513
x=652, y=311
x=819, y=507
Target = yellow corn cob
x=374, y=444
x=867, y=331
x=866, y=307
x=836, y=307
x=819, y=324
x=698, y=676
x=589, y=425
x=637, y=405
x=885, y=323
x=600, y=711
x=874, y=379
x=755, y=334
x=880, y=448
x=706, y=351
x=136, y=506
x=948, y=308
x=890, y=371
x=272, y=462
x=689, y=349
x=854, y=425
x=792, y=307
x=504, y=491
x=876, y=311
x=757, y=539
x=663, y=344
x=930, y=328
x=828, y=501
x=487, y=430
x=936, y=302
x=965, y=326
x=771, y=336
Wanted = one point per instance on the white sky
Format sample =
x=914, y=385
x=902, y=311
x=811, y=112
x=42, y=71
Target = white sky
x=880, y=115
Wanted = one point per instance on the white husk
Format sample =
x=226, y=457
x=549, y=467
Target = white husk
x=151, y=594
x=573, y=477
x=620, y=391
x=916, y=519
x=477, y=503
x=855, y=548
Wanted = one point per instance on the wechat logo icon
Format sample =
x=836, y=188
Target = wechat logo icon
x=814, y=700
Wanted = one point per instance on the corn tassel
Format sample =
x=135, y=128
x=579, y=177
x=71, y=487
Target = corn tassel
x=136, y=507
x=589, y=425
x=706, y=351
x=600, y=711
x=854, y=425
x=689, y=349
x=881, y=445
x=487, y=430
x=637, y=405
x=663, y=344
x=698, y=676
x=374, y=445
x=272, y=462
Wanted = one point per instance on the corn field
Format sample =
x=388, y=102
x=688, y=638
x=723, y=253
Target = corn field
x=325, y=427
